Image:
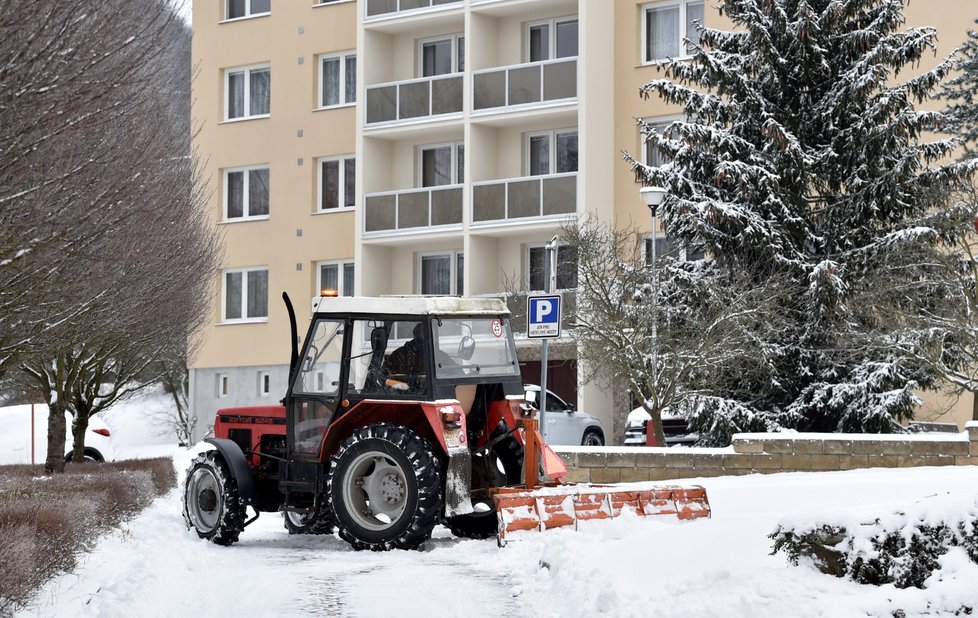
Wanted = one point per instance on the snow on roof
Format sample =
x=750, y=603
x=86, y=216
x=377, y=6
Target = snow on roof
x=410, y=305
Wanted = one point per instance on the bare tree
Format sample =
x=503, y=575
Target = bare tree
x=669, y=331
x=116, y=252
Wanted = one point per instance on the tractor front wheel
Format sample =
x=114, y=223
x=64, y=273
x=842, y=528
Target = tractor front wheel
x=385, y=488
x=211, y=502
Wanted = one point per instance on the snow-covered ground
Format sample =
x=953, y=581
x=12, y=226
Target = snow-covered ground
x=626, y=567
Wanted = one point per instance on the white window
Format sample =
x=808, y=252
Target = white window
x=264, y=383
x=222, y=386
x=536, y=262
x=665, y=246
x=666, y=25
x=441, y=273
x=441, y=56
x=246, y=193
x=236, y=9
x=247, y=92
x=551, y=152
x=245, y=295
x=651, y=155
x=441, y=164
x=554, y=38
x=337, y=79
x=335, y=275
x=337, y=183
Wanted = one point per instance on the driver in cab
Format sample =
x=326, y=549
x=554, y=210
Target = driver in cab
x=406, y=365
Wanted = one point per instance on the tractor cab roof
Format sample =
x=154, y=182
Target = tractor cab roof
x=408, y=305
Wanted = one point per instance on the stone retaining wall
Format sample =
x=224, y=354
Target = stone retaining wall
x=769, y=453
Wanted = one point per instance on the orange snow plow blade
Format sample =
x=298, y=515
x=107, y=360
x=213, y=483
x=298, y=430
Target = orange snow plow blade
x=565, y=505
x=536, y=507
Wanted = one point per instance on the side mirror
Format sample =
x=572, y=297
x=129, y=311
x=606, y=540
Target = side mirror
x=531, y=397
x=466, y=347
x=571, y=408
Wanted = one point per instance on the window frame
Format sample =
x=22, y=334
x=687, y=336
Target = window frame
x=246, y=197
x=341, y=196
x=551, y=23
x=683, y=253
x=248, y=14
x=340, y=274
x=552, y=163
x=342, y=57
x=528, y=271
x=454, y=255
x=683, y=34
x=264, y=390
x=247, y=70
x=454, y=38
x=665, y=121
x=245, y=319
x=419, y=158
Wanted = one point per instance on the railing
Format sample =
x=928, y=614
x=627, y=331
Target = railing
x=414, y=98
x=525, y=84
x=395, y=211
x=497, y=201
x=381, y=8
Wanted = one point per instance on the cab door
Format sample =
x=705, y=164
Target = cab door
x=317, y=389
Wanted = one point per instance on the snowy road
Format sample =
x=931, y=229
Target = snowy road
x=628, y=567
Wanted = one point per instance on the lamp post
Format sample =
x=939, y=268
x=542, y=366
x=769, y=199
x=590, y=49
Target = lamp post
x=653, y=198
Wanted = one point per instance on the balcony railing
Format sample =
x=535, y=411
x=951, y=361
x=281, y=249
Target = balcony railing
x=500, y=201
x=383, y=8
x=525, y=84
x=414, y=99
x=396, y=211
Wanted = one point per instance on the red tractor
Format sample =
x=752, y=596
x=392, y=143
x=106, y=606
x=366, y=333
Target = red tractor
x=400, y=414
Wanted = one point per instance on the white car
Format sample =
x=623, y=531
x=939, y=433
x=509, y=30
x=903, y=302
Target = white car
x=565, y=424
x=673, y=426
x=15, y=436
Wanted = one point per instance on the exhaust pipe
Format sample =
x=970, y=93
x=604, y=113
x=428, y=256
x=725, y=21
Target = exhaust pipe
x=294, y=360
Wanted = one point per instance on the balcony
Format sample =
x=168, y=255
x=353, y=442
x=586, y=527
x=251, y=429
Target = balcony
x=533, y=83
x=386, y=8
x=516, y=199
x=414, y=99
x=412, y=210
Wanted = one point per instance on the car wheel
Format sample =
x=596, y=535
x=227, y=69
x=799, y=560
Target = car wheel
x=91, y=456
x=592, y=437
x=385, y=488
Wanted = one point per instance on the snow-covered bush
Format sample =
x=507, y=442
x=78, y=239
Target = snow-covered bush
x=902, y=548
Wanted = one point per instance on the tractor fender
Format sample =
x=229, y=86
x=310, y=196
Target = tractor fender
x=238, y=466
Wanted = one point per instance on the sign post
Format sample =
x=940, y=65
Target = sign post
x=543, y=322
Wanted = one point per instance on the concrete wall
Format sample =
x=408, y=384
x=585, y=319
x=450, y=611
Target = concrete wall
x=770, y=453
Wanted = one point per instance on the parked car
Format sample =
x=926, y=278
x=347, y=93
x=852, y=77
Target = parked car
x=565, y=424
x=15, y=436
x=673, y=426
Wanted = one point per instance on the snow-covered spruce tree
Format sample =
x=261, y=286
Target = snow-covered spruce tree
x=961, y=92
x=802, y=154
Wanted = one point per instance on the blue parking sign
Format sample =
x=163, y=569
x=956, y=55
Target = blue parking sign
x=543, y=316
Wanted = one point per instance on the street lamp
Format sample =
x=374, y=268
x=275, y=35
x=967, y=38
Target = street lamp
x=653, y=198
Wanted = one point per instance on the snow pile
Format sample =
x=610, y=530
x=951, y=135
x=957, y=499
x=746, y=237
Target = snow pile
x=904, y=548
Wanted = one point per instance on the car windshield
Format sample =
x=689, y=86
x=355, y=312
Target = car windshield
x=474, y=347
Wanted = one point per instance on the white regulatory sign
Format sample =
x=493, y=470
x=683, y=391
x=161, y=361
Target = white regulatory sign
x=543, y=316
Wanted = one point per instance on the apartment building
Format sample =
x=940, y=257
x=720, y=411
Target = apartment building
x=391, y=147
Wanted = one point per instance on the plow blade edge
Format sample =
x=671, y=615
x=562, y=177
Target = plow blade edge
x=555, y=507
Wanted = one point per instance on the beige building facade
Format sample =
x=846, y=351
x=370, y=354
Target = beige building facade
x=390, y=147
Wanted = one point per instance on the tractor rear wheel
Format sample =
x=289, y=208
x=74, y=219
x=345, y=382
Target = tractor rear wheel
x=501, y=465
x=211, y=502
x=385, y=488
x=320, y=522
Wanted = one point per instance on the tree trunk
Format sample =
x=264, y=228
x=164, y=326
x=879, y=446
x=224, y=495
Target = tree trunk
x=974, y=406
x=55, y=462
x=656, y=426
x=78, y=429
